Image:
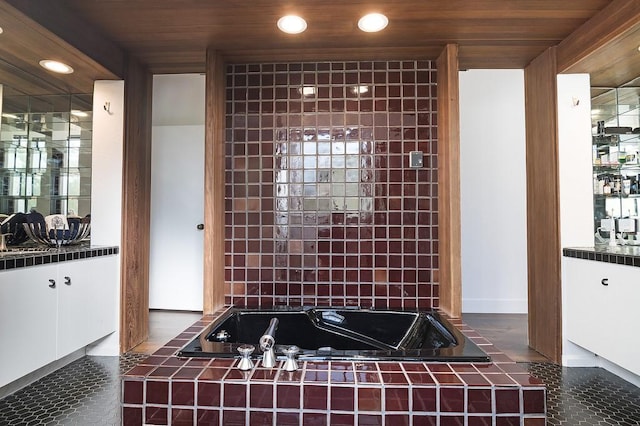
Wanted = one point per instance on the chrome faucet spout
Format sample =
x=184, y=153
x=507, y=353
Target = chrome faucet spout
x=267, y=342
x=271, y=329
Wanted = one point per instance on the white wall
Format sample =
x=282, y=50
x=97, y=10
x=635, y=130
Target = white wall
x=493, y=191
x=576, y=189
x=574, y=157
x=106, y=184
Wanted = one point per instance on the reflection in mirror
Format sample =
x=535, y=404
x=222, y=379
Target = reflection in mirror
x=45, y=153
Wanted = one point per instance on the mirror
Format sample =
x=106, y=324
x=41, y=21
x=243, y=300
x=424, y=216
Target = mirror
x=45, y=153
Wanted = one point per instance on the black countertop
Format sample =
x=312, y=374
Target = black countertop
x=620, y=255
x=32, y=256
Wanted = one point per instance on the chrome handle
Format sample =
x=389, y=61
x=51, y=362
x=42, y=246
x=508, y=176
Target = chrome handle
x=605, y=281
x=67, y=280
x=245, y=362
x=52, y=283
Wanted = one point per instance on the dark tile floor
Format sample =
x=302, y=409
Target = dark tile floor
x=587, y=396
x=86, y=392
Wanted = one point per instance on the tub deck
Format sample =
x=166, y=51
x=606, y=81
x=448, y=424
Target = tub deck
x=170, y=390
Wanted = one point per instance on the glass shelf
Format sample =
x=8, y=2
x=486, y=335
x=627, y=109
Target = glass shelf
x=615, y=117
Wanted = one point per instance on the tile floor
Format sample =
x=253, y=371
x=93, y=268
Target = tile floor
x=86, y=392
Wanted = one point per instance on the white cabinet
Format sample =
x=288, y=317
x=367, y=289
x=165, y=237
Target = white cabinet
x=602, y=309
x=86, y=302
x=27, y=321
x=48, y=312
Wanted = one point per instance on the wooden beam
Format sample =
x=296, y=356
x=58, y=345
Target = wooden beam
x=450, y=277
x=25, y=42
x=74, y=30
x=214, y=180
x=136, y=207
x=543, y=206
x=608, y=25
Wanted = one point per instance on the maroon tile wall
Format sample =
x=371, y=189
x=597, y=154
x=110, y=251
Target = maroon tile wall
x=321, y=205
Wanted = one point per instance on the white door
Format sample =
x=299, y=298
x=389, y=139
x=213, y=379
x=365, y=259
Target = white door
x=177, y=208
x=177, y=192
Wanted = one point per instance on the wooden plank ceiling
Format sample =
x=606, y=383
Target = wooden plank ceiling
x=171, y=36
x=616, y=64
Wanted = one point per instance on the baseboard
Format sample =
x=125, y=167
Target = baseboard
x=580, y=361
x=107, y=346
x=620, y=372
x=577, y=356
x=38, y=374
x=494, y=306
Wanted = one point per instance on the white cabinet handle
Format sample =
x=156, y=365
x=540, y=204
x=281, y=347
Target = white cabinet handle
x=67, y=280
x=52, y=283
x=605, y=281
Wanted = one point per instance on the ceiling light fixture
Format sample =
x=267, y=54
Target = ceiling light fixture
x=1, y=30
x=373, y=22
x=56, y=66
x=292, y=24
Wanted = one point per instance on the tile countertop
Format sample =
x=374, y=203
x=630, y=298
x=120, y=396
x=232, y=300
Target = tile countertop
x=621, y=255
x=32, y=256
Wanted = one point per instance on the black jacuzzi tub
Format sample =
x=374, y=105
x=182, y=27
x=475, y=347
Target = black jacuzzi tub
x=339, y=334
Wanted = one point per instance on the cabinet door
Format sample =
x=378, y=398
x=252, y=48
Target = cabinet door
x=623, y=317
x=603, y=318
x=86, y=302
x=27, y=321
x=103, y=299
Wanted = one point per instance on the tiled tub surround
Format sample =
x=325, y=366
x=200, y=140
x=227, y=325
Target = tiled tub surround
x=47, y=256
x=620, y=255
x=322, y=208
x=165, y=389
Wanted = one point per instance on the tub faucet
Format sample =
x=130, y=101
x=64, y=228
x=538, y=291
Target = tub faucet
x=267, y=342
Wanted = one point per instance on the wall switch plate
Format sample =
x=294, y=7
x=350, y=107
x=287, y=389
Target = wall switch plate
x=415, y=159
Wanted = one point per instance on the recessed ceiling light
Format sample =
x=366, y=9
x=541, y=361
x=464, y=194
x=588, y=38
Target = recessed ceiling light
x=56, y=66
x=373, y=22
x=292, y=24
